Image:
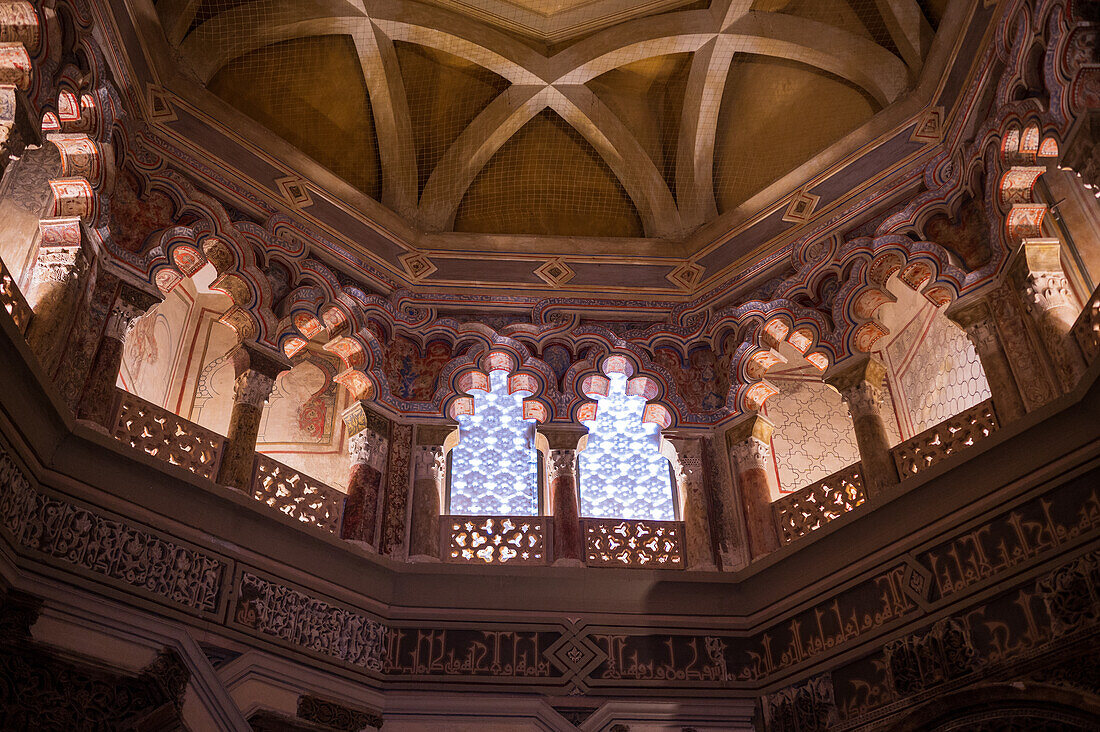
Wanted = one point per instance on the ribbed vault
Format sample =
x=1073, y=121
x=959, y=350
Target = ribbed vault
x=646, y=119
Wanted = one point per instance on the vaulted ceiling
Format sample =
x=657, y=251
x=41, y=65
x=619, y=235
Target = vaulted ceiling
x=568, y=118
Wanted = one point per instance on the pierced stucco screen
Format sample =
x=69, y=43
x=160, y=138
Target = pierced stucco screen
x=494, y=468
x=622, y=472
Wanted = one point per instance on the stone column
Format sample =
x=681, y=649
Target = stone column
x=57, y=282
x=688, y=465
x=428, y=486
x=976, y=318
x=562, y=445
x=749, y=441
x=98, y=397
x=861, y=384
x=1039, y=275
x=368, y=447
x=256, y=371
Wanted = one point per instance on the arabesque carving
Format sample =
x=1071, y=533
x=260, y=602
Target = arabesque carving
x=633, y=543
x=165, y=436
x=797, y=514
x=296, y=494
x=309, y=622
x=945, y=439
x=106, y=546
x=496, y=539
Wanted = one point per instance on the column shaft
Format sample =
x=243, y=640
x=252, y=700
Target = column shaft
x=256, y=371
x=750, y=459
x=98, y=396
x=368, y=451
x=861, y=385
x=698, y=542
x=54, y=294
x=568, y=542
x=427, y=482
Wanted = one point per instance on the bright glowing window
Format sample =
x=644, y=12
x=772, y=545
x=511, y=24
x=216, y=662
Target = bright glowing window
x=494, y=467
x=622, y=472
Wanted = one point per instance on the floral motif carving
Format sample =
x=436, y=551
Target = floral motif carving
x=633, y=543
x=309, y=622
x=562, y=463
x=60, y=264
x=430, y=463
x=496, y=539
x=368, y=448
x=819, y=503
x=864, y=398
x=807, y=707
x=396, y=497
x=296, y=494
x=121, y=320
x=163, y=435
x=917, y=662
x=751, y=454
x=252, y=388
x=106, y=546
x=335, y=716
x=1072, y=594
x=945, y=439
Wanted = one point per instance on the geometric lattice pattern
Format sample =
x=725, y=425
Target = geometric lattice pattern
x=496, y=539
x=813, y=433
x=494, y=467
x=619, y=543
x=937, y=370
x=815, y=505
x=945, y=439
x=622, y=473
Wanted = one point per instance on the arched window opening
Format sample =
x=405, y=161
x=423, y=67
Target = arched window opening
x=494, y=467
x=813, y=435
x=622, y=472
x=933, y=370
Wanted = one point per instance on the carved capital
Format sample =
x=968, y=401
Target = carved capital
x=252, y=388
x=689, y=461
x=563, y=463
x=430, y=463
x=751, y=454
x=121, y=321
x=864, y=399
x=1046, y=291
x=62, y=264
x=368, y=448
x=976, y=319
x=860, y=384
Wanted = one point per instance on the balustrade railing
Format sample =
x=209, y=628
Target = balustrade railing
x=797, y=514
x=296, y=494
x=945, y=439
x=13, y=301
x=633, y=543
x=158, y=432
x=1086, y=330
x=495, y=539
